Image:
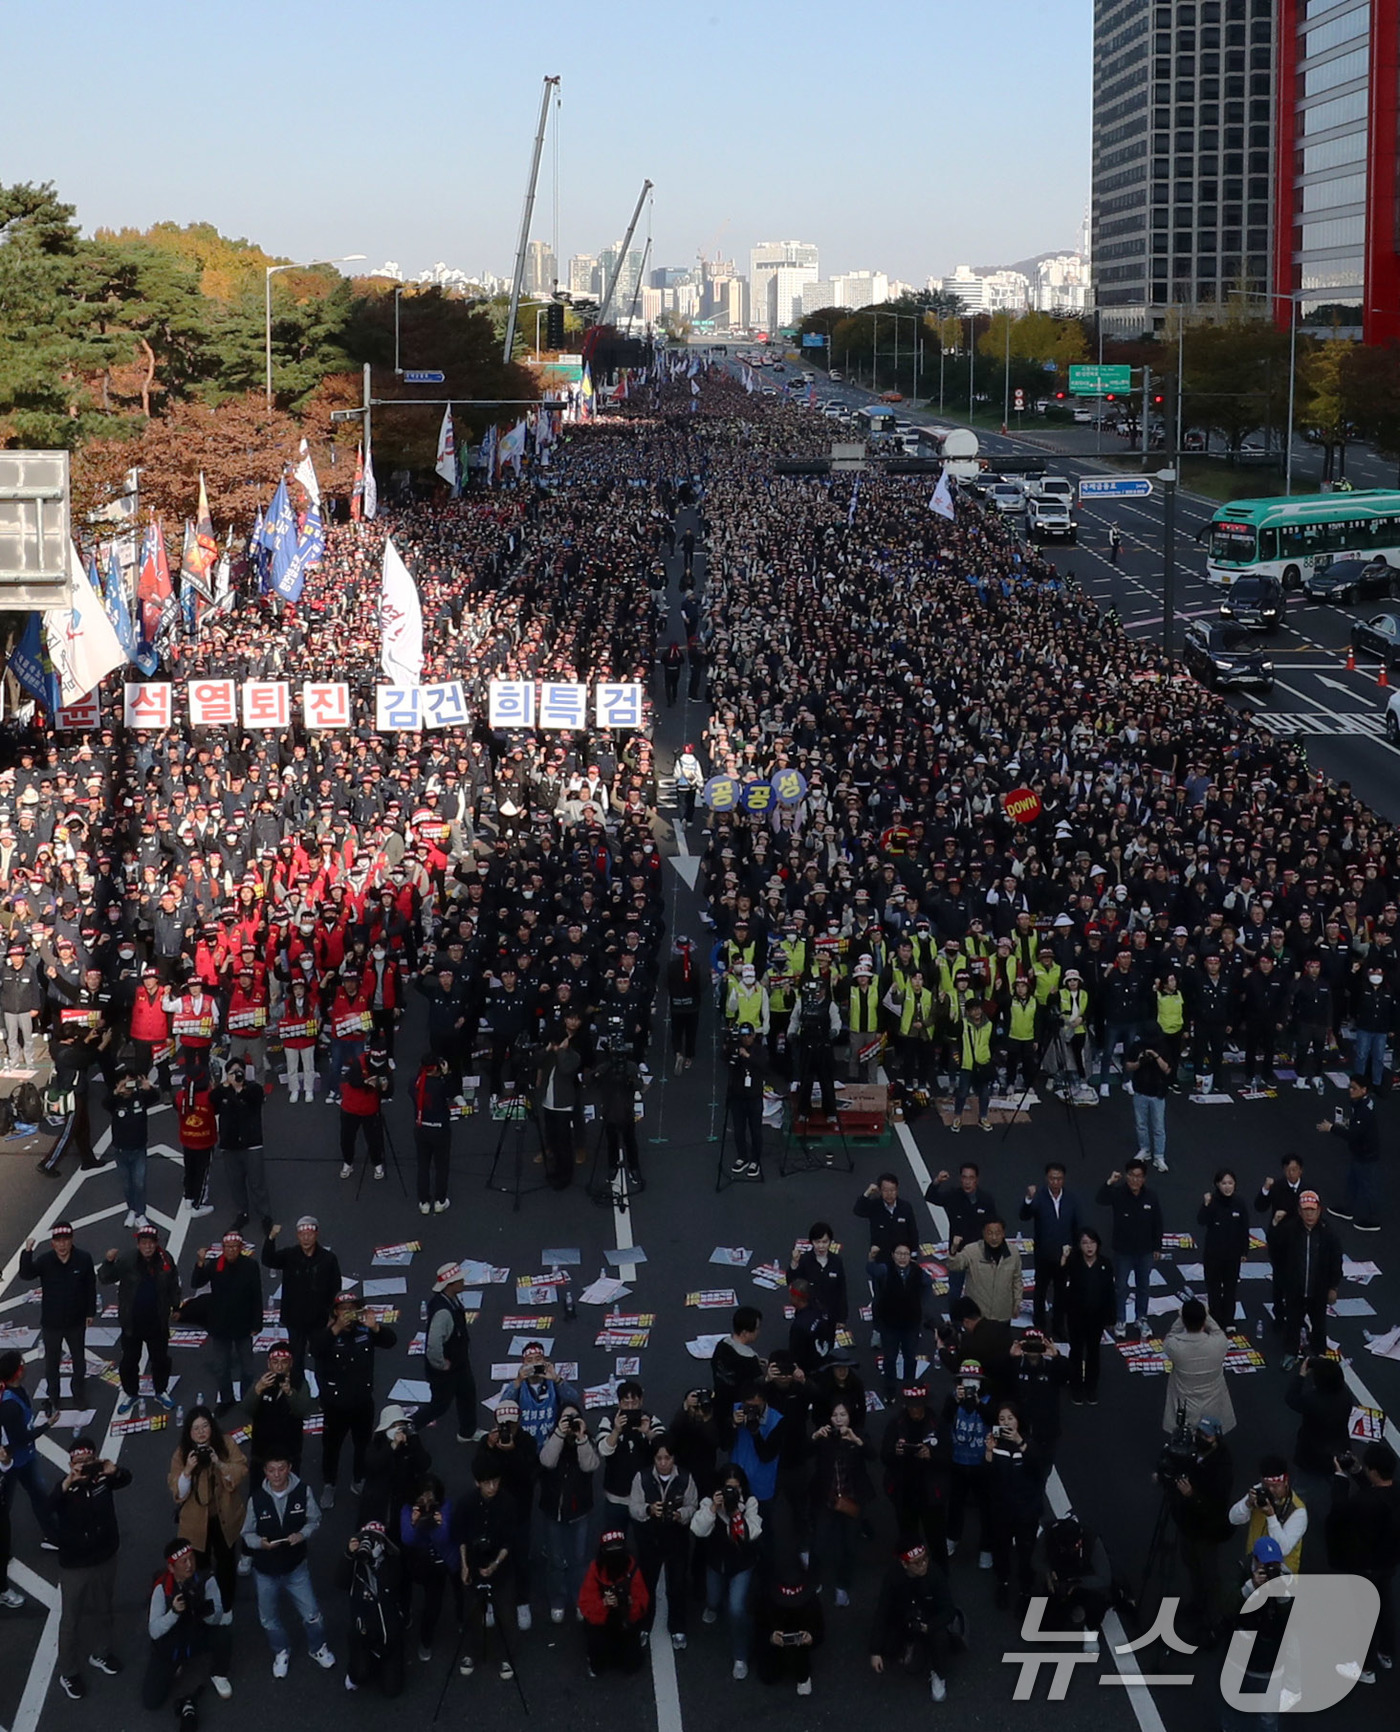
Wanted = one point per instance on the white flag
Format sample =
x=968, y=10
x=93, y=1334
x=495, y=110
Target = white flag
x=446, y=464
x=400, y=621
x=370, y=503
x=83, y=646
x=305, y=473
x=942, y=501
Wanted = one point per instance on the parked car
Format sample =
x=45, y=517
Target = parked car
x=1225, y=657
x=1007, y=497
x=1392, y=717
x=1378, y=636
x=1349, y=580
x=983, y=482
x=1083, y=416
x=1255, y=601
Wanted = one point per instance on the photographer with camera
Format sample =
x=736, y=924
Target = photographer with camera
x=372, y=1574
x=1078, y=1577
x=626, y=1449
x=1264, y=1666
x=343, y=1352
x=616, y=1077
x=1363, y=1538
x=727, y=1527
x=744, y=1099
x=1039, y=1372
x=430, y=1559
x=916, y=1452
x=84, y=1525
x=914, y=1619
x=484, y=1525
x=1015, y=1493
x=662, y=1504
x=238, y=1103
x=614, y=1601
x=396, y=1463
x=841, y=1493
x=559, y=1082
x=127, y=1107
x=277, y=1408
x=185, y=1621
x=208, y=1480
x=568, y=1462
x=1272, y=1508
x=539, y=1391
x=364, y=1085
x=511, y=1452
x=1195, y=1472
x=967, y=1420
x=789, y=1625
x=1318, y=1392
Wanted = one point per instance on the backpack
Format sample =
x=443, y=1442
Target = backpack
x=27, y=1103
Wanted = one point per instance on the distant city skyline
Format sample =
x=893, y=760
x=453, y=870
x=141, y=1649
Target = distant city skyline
x=832, y=136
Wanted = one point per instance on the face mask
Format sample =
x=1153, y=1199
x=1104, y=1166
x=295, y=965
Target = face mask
x=378, y=953
x=1375, y=979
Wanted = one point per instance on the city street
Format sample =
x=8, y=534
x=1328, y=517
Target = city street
x=1104, y=1461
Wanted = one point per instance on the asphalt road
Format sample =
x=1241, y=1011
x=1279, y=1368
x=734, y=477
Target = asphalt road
x=1104, y=1461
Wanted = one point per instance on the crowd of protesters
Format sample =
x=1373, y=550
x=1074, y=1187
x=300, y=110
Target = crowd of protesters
x=207, y=915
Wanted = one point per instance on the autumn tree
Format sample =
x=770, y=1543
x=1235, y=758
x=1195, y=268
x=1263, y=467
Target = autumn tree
x=1371, y=381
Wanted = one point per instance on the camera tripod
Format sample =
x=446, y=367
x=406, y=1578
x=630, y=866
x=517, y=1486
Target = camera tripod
x=393, y=1156
x=613, y=1184
x=1043, y=1046
x=799, y=1155
x=723, y=1177
x=517, y=1112
x=488, y=1592
x=1163, y=1549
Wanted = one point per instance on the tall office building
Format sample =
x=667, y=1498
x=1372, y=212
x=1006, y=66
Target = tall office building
x=1183, y=155
x=583, y=274
x=765, y=260
x=540, y=271
x=1337, y=225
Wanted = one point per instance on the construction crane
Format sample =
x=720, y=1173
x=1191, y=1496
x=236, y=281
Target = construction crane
x=618, y=262
x=550, y=86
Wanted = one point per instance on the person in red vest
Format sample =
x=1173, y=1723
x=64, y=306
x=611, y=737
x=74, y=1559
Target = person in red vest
x=247, y=1018
x=194, y=1020
x=199, y=1131
x=382, y=985
x=352, y=1021
x=365, y=1084
x=299, y=1027
x=150, y=1029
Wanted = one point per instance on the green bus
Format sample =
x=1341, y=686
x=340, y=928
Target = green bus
x=1286, y=538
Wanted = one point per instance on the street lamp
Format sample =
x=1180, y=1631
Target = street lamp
x=1293, y=300
x=398, y=296
x=269, y=273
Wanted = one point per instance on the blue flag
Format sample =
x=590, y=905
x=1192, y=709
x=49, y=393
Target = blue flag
x=189, y=609
x=258, y=555
x=279, y=537
x=114, y=600
x=30, y=664
x=309, y=549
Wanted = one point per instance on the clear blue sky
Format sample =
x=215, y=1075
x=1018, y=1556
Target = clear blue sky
x=906, y=137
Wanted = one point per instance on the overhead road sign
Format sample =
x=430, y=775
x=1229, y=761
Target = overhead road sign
x=1099, y=381
x=428, y=376
x=1114, y=487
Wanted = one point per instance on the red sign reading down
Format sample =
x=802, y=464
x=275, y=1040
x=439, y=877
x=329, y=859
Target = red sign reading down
x=1022, y=805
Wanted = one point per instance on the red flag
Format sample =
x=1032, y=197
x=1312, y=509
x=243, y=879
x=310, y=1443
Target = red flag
x=206, y=544
x=155, y=594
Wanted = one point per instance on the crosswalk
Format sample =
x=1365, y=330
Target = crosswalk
x=1321, y=722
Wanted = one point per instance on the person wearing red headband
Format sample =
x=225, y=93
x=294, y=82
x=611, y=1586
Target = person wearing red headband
x=914, y=1619
x=185, y=1621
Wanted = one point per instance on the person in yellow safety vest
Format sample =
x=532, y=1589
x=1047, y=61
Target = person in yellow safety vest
x=863, y=1020
x=1022, y=1025
x=1025, y=942
x=787, y=963
x=901, y=965
x=925, y=948
x=975, y=1068
x=1073, y=1030
x=948, y=966
x=1171, y=1020
x=1047, y=974
x=747, y=1000
x=915, y=1012
x=977, y=944
x=952, y=1006
x=738, y=950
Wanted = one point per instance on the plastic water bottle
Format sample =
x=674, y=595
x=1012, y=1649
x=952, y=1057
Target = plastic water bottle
x=180, y=1416
x=570, y=1308
x=1259, y=1330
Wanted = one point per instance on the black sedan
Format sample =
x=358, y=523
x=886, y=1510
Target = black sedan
x=1349, y=580
x=1227, y=657
x=1378, y=636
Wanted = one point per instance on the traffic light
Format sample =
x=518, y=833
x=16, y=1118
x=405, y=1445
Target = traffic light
x=1157, y=399
x=1059, y=396
x=554, y=325
x=1109, y=398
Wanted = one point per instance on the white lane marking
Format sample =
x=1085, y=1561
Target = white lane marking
x=663, y=1668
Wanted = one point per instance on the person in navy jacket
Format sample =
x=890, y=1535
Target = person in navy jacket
x=1056, y=1219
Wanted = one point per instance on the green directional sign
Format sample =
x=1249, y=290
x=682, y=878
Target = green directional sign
x=1099, y=381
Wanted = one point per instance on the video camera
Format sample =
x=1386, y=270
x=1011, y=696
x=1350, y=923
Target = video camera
x=1179, y=1454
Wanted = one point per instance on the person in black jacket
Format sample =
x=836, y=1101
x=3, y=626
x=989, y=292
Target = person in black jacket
x=1363, y=1536
x=1198, y=1492
x=234, y=1315
x=372, y=1572
x=897, y=1312
x=968, y=1208
x=484, y=1527
x=891, y=1220
x=310, y=1274
x=67, y=1305
x=914, y=1617
x=915, y=1452
x=514, y=1454
x=344, y=1350
x=1090, y=1308
x=824, y=1271
x=1310, y=1258
x=239, y=1105
x=148, y=1291
x=1318, y=1393
x=277, y=1407
x=1224, y=1245
x=1278, y=1201
x=396, y=1464
x=1361, y=1134
x=1055, y=1218
x=1137, y=1238
x=1015, y=1487
x=85, y=1526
